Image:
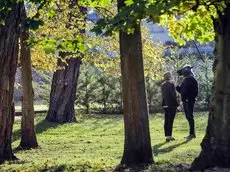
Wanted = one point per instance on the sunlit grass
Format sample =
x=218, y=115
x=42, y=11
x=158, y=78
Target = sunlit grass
x=96, y=143
x=36, y=107
x=179, y=151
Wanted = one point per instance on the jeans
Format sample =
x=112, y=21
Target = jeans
x=188, y=109
x=170, y=113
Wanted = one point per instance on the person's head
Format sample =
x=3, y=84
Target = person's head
x=168, y=76
x=185, y=71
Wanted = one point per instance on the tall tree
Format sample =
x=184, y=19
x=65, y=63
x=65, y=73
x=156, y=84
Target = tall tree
x=208, y=19
x=63, y=92
x=64, y=83
x=28, y=136
x=9, y=36
x=137, y=147
x=216, y=143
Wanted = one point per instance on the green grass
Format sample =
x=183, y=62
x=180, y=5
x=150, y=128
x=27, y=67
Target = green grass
x=36, y=107
x=96, y=143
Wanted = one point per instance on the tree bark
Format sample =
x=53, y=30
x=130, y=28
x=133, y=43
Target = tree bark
x=216, y=143
x=137, y=146
x=9, y=35
x=87, y=94
x=63, y=92
x=120, y=93
x=28, y=136
x=64, y=83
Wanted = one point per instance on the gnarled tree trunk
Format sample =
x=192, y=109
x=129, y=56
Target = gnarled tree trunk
x=9, y=35
x=216, y=143
x=64, y=83
x=137, y=147
x=28, y=136
x=63, y=92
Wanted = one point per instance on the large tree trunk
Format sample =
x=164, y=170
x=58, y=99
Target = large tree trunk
x=63, y=92
x=137, y=147
x=64, y=83
x=9, y=35
x=28, y=136
x=216, y=143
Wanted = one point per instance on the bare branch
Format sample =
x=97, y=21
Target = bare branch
x=109, y=13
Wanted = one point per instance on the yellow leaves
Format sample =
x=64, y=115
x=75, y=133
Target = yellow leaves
x=60, y=31
x=105, y=55
x=42, y=60
x=61, y=25
x=154, y=64
x=95, y=3
x=191, y=25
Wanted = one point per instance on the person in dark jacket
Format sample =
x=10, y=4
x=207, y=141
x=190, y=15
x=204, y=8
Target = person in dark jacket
x=188, y=90
x=169, y=103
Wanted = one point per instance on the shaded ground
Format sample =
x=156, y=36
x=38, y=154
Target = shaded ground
x=170, y=168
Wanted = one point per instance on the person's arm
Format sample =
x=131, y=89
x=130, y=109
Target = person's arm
x=185, y=89
x=178, y=88
x=162, y=97
x=173, y=94
x=196, y=88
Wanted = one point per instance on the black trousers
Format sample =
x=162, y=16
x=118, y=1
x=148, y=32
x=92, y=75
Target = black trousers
x=170, y=113
x=188, y=109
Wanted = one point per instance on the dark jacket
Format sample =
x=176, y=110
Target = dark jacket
x=168, y=91
x=188, y=89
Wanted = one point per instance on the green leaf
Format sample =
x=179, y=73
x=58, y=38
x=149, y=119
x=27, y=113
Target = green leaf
x=129, y=2
x=104, y=3
x=51, y=13
x=50, y=46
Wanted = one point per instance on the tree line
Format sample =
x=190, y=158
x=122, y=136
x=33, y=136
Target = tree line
x=99, y=90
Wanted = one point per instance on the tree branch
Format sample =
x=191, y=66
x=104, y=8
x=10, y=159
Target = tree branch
x=109, y=13
x=196, y=6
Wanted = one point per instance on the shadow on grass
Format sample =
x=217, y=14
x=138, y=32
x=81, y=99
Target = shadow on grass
x=171, y=167
x=133, y=168
x=53, y=168
x=40, y=127
x=43, y=125
x=73, y=168
x=157, y=150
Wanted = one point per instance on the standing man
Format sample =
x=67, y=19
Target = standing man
x=188, y=90
x=169, y=103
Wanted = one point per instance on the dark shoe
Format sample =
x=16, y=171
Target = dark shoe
x=190, y=137
x=170, y=139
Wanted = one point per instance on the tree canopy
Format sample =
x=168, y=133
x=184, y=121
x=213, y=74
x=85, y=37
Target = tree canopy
x=186, y=19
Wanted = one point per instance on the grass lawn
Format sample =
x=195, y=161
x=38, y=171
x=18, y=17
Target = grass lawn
x=36, y=107
x=96, y=144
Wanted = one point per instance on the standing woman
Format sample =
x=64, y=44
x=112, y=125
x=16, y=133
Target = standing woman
x=169, y=103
